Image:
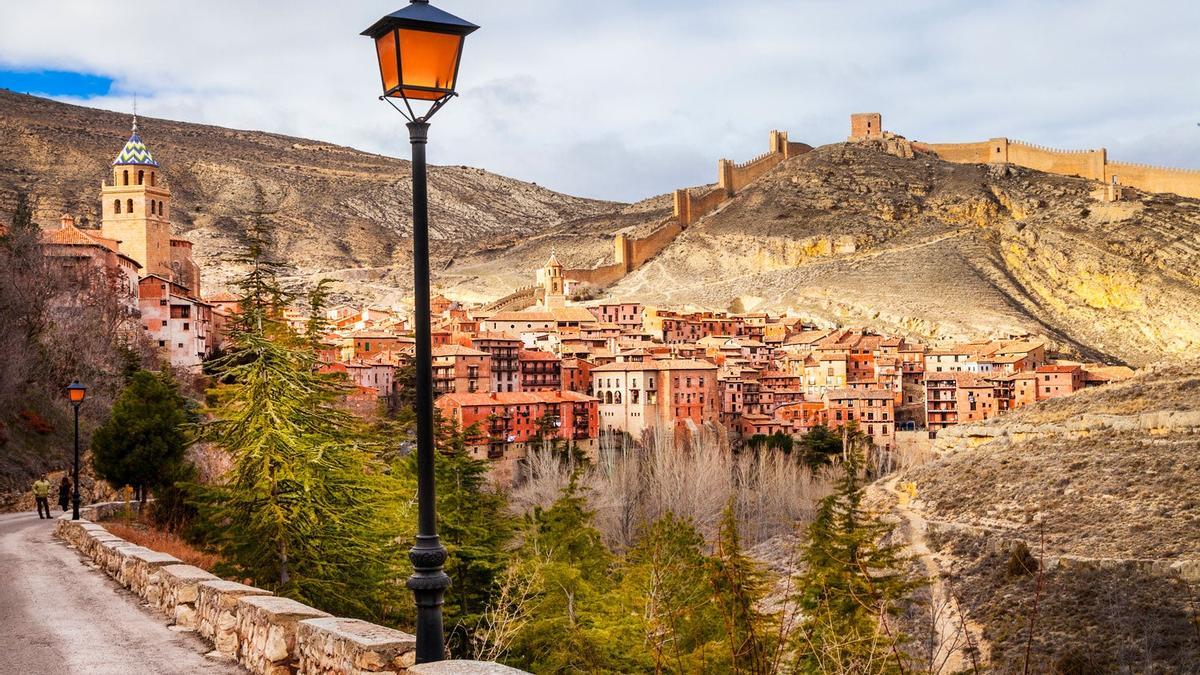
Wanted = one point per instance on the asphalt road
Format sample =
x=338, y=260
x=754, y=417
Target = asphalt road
x=58, y=616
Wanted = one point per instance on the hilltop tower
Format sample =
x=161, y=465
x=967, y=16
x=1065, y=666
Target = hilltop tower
x=135, y=208
x=553, y=283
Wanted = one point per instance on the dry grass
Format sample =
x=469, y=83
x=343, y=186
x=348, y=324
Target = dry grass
x=170, y=543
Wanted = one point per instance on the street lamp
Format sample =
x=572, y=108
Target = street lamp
x=419, y=48
x=75, y=394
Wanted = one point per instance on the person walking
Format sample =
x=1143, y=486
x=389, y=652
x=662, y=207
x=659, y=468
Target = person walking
x=64, y=494
x=41, y=494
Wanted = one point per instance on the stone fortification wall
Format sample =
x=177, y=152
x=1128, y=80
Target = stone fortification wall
x=266, y=633
x=1090, y=164
x=1183, y=182
x=631, y=253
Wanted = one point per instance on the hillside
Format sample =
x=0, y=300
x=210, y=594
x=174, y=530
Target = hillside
x=1100, y=486
x=849, y=233
x=334, y=211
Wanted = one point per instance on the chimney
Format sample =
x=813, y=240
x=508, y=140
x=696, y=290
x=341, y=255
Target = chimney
x=67, y=220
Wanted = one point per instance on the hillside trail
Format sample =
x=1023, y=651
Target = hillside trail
x=955, y=634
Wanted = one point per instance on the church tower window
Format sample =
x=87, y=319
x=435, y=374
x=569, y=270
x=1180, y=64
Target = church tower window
x=129, y=206
x=126, y=176
x=141, y=177
x=116, y=206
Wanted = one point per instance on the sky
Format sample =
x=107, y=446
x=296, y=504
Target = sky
x=625, y=99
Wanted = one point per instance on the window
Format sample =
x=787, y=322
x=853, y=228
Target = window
x=129, y=205
x=152, y=179
x=185, y=327
x=126, y=177
x=141, y=177
x=116, y=206
x=162, y=343
x=164, y=322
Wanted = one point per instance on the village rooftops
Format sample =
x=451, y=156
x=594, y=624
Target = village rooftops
x=457, y=350
x=536, y=355
x=857, y=394
x=556, y=315
x=514, y=398
x=661, y=364
x=1059, y=368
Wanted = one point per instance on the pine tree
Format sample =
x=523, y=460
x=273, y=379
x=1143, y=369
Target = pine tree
x=739, y=585
x=851, y=585
x=143, y=443
x=665, y=589
x=317, y=324
x=308, y=510
x=576, y=572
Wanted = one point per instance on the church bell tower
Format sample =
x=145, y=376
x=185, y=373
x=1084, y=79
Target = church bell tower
x=136, y=207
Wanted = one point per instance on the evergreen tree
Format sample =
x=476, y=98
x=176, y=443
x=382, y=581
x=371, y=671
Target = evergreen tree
x=143, y=444
x=664, y=587
x=851, y=585
x=308, y=510
x=317, y=324
x=575, y=569
x=820, y=446
x=739, y=585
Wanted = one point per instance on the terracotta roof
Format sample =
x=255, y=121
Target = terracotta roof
x=839, y=394
x=495, y=335
x=1058, y=368
x=535, y=355
x=456, y=350
x=514, y=398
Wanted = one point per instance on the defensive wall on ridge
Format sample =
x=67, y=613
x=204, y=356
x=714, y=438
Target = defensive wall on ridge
x=1090, y=164
x=690, y=205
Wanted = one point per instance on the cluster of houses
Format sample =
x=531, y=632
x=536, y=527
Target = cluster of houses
x=572, y=373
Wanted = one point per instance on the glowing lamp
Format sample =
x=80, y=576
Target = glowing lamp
x=419, y=48
x=76, y=392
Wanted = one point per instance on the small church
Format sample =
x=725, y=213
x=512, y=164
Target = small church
x=135, y=234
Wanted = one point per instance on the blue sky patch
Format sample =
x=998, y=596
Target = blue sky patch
x=55, y=82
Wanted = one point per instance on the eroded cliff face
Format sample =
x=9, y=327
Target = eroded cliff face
x=849, y=233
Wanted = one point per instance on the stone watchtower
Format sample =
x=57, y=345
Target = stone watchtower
x=866, y=126
x=553, y=283
x=135, y=208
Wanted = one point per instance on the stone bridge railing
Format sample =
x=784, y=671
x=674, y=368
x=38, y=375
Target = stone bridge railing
x=265, y=633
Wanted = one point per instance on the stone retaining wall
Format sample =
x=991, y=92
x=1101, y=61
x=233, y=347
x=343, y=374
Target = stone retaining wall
x=267, y=634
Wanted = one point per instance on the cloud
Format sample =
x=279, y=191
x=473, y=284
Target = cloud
x=625, y=99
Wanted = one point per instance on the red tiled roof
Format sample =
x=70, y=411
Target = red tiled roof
x=514, y=398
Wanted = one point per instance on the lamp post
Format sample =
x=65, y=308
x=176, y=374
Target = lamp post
x=419, y=48
x=76, y=393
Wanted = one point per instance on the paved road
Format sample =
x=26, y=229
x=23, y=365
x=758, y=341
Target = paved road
x=58, y=616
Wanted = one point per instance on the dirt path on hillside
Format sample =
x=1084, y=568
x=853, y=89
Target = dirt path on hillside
x=956, y=635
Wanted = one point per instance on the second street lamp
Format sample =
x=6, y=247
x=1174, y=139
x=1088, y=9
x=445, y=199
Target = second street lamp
x=76, y=393
x=419, y=48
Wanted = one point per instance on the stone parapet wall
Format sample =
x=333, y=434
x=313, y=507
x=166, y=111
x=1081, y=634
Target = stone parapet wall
x=267, y=634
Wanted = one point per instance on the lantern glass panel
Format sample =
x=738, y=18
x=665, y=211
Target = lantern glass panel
x=429, y=61
x=385, y=45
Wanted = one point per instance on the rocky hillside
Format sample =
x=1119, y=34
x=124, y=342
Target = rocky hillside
x=849, y=233
x=334, y=211
x=1101, y=488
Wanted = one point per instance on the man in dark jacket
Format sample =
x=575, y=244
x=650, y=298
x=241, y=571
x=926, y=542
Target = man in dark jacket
x=64, y=494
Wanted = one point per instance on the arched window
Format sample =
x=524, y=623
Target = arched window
x=608, y=397
x=160, y=209
x=151, y=179
x=153, y=208
x=129, y=206
x=116, y=206
x=126, y=176
x=141, y=177
x=617, y=398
